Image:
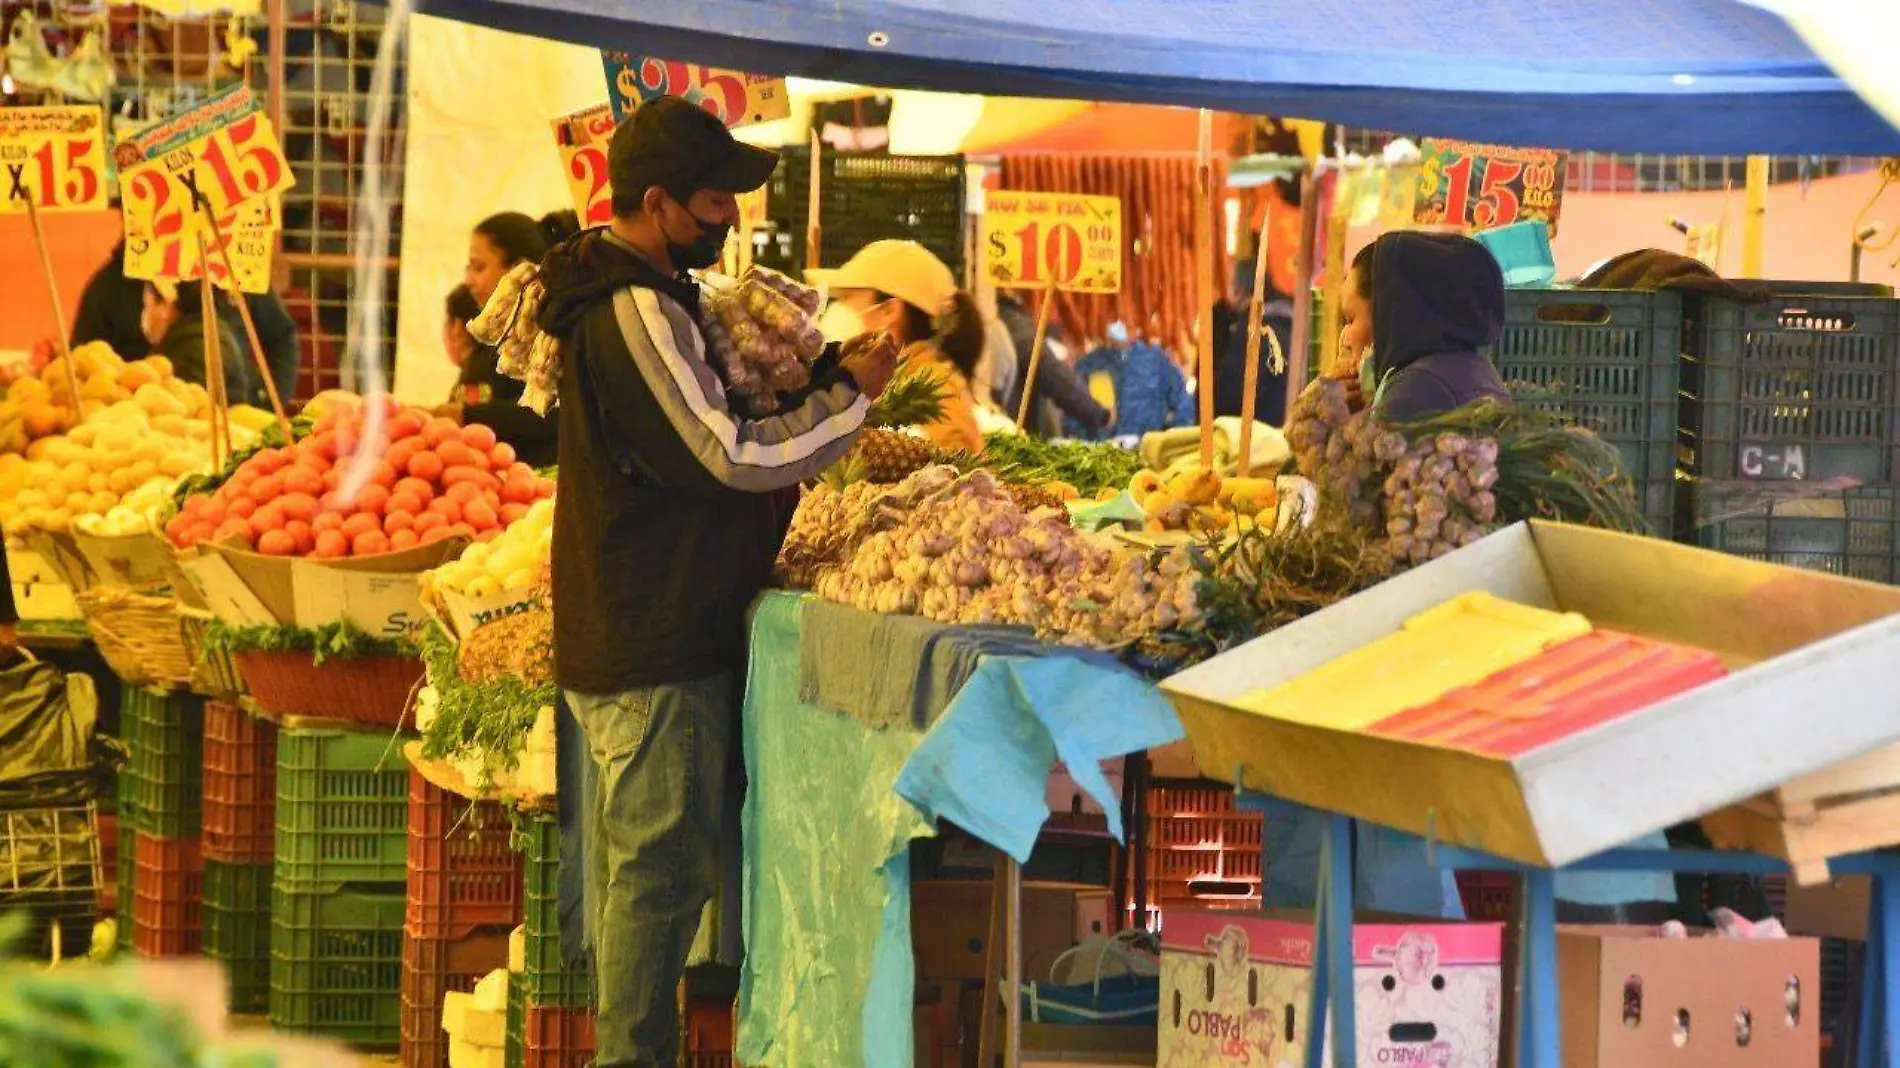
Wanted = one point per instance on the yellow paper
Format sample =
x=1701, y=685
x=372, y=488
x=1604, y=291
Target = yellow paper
x=54, y=155
x=581, y=138
x=1030, y=239
x=1460, y=642
x=1102, y=388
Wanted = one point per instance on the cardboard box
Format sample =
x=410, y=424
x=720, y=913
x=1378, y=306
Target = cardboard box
x=1812, y=673
x=1235, y=989
x=952, y=939
x=1631, y=1000
x=381, y=594
x=1835, y=909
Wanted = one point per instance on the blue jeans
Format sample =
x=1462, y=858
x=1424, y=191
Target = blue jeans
x=653, y=823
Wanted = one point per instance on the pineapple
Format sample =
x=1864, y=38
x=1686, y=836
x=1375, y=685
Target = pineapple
x=884, y=454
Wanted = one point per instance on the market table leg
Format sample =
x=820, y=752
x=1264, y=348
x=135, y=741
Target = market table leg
x=1538, y=1043
x=986, y=1030
x=1013, y=953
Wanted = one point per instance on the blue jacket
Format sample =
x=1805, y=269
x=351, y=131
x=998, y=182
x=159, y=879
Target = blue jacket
x=1437, y=300
x=1150, y=391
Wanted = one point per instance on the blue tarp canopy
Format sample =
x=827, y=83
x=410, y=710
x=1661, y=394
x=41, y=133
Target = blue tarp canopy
x=1709, y=77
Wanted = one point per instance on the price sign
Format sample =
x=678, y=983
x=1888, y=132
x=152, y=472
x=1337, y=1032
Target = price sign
x=54, y=157
x=734, y=97
x=223, y=156
x=1481, y=187
x=582, y=140
x=1030, y=239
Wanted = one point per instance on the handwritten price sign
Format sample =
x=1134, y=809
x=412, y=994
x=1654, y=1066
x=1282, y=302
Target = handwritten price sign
x=582, y=140
x=1032, y=238
x=1481, y=187
x=55, y=158
x=222, y=156
x=734, y=97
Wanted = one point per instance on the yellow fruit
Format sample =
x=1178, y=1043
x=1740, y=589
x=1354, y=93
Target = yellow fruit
x=1062, y=491
x=1143, y=485
x=158, y=400
x=1196, y=487
x=160, y=365
x=252, y=418
x=1155, y=504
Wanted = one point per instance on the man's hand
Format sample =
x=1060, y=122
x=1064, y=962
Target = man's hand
x=871, y=359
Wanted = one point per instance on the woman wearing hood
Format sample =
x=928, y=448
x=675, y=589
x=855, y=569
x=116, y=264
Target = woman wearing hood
x=1427, y=304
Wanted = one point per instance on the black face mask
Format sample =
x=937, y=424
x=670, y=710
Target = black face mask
x=705, y=249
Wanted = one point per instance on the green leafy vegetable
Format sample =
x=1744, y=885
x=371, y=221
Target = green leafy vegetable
x=341, y=640
x=1090, y=468
x=491, y=718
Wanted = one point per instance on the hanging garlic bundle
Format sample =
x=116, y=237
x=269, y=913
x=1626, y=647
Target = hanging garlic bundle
x=763, y=336
x=508, y=324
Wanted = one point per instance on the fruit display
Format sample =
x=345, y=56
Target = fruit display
x=144, y=443
x=41, y=405
x=1201, y=501
x=429, y=480
x=763, y=337
x=957, y=549
x=515, y=562
x=884, y=452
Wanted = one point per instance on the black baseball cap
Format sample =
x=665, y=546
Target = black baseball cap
x=682, y=148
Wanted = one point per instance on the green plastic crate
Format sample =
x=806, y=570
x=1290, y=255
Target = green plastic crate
x=162, y=786
x=237, y=929
x=549, y=982
x=336, y=965
x=342, y=809
x=515, y=1052
x=128, y=849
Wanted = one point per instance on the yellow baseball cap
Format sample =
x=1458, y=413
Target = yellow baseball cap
x=904, y=269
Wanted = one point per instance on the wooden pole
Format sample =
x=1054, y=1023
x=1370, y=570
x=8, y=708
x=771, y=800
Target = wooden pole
x=1013, y=957
x=1333, y=267
x=59, y=310
x=1256, y=310
x=1755, y=224
x=1296, y=360
x=250, y=327
x=1204, y=284
x=814, y=230
x=1035, y=355
x=214, y=362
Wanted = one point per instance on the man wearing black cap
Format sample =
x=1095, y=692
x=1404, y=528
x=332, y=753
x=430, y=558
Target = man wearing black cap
x=671, y=512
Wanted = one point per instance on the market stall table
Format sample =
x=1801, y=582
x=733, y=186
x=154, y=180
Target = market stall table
x=861, y=731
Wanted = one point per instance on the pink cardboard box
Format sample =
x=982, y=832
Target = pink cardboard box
x=1234, y=991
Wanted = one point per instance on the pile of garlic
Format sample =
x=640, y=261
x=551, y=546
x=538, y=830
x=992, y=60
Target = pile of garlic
x=963, y=552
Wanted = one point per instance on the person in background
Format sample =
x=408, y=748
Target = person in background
x=996, y=372
x=1355, y=329
x=486, y=396
x=1437, y=300
x=1142, y=388
x=112, y=307
x=174, y=327
x=1230, y=359
x=903, y=288
x=670, y=517
x=501, y=241
x=1061, y=396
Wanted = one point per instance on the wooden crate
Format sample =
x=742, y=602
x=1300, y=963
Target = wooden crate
x=1848, y=808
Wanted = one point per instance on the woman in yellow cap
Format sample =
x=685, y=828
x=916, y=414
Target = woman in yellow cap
x=902, y=287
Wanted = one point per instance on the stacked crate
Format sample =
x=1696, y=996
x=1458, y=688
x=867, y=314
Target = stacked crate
x=338, y=892
x=1203, y=852
x=464, y=897
x=50, y=869
x=557, y=1020
x=160, y=821
x=240, y=802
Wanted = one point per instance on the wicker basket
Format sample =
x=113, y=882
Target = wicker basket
x=140, y=636
x=212, y=672
x=372, y=689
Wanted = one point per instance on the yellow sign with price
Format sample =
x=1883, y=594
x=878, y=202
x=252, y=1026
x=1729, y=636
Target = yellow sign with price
x=222, y=157
x=55, y=158
x=1032, y=239
x=582, y=140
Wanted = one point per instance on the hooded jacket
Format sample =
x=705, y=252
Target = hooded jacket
x=1437, y=301
x=672, y=508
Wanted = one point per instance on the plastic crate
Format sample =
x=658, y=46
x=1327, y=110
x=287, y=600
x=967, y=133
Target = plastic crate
x=128, y=865
x=1610, y=361
x=463, y=872
x=431, y=967
x=108, y=824
x=1855, y=533
x=1797, y=387
x=336, y=965
x=547, y=978
x=557, y=1038
x=168, y=897
x=240, y=785
x=864, y=198
x=513, y=1052
x=162, y=785
x=342, y=809
x=1488, y=896
x=237, y=930
x=50, y=869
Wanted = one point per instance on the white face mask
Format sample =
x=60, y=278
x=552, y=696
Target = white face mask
x=840, y=322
